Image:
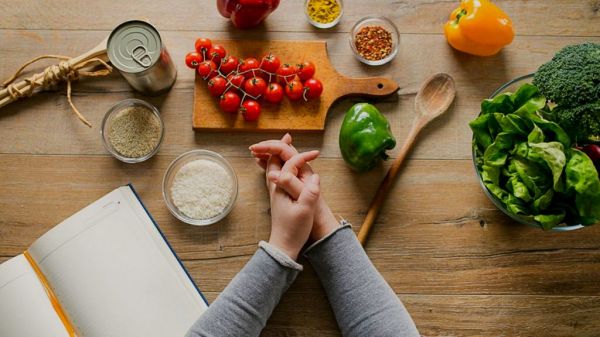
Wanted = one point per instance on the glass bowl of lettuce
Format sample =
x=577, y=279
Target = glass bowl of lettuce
x=526, y=162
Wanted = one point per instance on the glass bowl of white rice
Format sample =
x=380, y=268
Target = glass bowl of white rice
x=200, y=187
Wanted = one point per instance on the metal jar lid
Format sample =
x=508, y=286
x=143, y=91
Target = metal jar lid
x=134, y=46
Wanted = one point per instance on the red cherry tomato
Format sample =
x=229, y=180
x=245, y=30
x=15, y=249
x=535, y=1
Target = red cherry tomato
x=229, y=64
x=229, y=102
x=255, y=86
x=274, y=93
x=306, y=70
x=217, y=86
x=285, y=74
x=312, y=88
x=207, y=69
x=203, y=46
x=250, y=109
x=216, y=53
x=237, y=80
x=248, y=67
x=265, y=76
x=193, y=59
x=270, y=63
x=294, y=90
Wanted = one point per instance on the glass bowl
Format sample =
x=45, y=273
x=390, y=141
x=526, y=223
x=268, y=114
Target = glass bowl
x=512, y=86
x=375, y=21
x=107, y=122
x=177, y=164
x=324, y=25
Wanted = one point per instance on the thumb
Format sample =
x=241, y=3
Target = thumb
x=311, y=191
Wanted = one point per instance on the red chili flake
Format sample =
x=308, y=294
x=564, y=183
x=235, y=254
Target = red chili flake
x=373, y=42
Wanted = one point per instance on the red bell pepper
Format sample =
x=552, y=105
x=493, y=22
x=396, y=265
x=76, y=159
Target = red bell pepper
x=246, y=13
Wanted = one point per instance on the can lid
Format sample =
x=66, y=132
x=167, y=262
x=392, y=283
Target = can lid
x=134, y=46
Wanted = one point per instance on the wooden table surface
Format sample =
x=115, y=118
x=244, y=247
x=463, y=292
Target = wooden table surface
x=461, y=267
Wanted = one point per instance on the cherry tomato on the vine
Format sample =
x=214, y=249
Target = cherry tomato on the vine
x=229, y=64
x=248, y=67
x=265, y=76
x=294, y=90
x=274, y=93
x=255, y=86
x=216, y=53
x=237, y=80
x=203, y=46
x=312, y=88
x=306, y=70
x=270, y=63
x=250, y=109
x=229, y=102
x=207, y=69
x=193, y=59
x=286, y=73
x=217, y=86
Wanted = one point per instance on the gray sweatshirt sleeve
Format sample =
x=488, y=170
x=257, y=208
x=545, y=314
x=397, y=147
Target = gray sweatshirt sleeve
x=242, y=309
x=363, y=303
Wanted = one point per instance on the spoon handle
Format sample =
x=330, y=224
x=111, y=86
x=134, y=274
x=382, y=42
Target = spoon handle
x=388, y=181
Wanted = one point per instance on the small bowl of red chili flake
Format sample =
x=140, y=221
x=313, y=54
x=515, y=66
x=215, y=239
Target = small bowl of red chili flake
x=374, y=40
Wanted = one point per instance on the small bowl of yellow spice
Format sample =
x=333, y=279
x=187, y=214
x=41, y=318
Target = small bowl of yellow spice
x=132, y=130
x=324, y=13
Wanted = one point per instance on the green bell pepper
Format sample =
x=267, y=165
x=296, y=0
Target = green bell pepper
x=365, y=135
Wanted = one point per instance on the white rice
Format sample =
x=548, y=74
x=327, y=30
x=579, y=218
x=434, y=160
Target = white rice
x=202, y=189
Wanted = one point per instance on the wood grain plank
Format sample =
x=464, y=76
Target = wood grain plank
x=533, y=17
x=25, y=125
x=437, y=233
x=308, y=314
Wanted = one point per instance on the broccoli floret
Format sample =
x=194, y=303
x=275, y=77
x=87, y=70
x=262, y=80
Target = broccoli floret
x=572, y=77
x=582, y=122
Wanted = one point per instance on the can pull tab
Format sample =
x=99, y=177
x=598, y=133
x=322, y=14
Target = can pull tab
x=140, y=55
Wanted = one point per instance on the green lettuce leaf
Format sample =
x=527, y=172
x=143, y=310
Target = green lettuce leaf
x=553, y=156
x=582, y=178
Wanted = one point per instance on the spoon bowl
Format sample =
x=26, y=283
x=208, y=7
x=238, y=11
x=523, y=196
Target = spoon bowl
x=435, y=96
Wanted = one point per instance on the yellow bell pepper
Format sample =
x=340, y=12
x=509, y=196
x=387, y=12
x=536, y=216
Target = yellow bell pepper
x=479, y=27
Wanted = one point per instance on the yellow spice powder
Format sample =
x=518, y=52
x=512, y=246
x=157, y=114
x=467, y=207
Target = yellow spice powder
x=323, y=11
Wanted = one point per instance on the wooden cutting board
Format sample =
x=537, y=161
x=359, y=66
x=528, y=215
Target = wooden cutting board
x=298, y=116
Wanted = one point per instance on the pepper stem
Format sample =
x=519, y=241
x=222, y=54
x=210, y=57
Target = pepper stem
x=460, y=14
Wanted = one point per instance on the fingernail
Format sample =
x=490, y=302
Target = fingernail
x=251, y=147
x=315, y=179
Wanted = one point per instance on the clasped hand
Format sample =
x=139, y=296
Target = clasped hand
x=299, y=214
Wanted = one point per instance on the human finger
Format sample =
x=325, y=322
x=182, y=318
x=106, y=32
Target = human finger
x=275, y=147
x=273, y=164
x=311, y=192
x=287, y=138
x=287, y=182
x=295, y=164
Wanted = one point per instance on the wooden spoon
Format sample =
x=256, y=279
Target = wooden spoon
x=433, y=99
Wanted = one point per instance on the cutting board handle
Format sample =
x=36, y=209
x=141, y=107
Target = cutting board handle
x=369, y=86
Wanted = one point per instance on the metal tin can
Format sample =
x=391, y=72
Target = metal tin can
x=136, y=49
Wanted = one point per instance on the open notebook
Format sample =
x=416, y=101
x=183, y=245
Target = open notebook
x=105, y=271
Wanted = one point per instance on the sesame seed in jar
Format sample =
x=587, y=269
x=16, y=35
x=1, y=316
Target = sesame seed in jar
x=134, y=132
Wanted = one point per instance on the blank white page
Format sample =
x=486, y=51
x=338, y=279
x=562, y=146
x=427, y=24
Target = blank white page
x=114, y=274
x=25, y=309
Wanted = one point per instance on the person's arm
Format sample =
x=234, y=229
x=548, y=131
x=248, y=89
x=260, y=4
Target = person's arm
x=363, y=303
x=244, y=306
